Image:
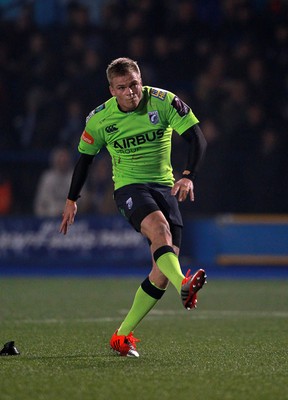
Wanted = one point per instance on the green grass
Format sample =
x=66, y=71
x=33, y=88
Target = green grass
x=234, y=346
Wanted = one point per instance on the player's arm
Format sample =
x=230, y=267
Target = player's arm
x=196, y=151
x=78, y=179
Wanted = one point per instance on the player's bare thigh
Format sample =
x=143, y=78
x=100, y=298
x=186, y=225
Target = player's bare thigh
x=156, y=228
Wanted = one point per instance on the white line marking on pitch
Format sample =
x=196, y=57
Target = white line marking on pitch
x=154, y=314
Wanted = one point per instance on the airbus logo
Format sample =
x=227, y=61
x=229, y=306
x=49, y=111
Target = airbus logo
x=111, y=128
x=125, y=144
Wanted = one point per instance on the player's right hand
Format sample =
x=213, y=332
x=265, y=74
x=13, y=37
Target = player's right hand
x=68, y=215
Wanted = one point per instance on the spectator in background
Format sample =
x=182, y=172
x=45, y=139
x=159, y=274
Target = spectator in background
x=6, y=195
x=38, y=124
x=233, y=107
x=78, y=19
x=5, y=97
x=139, y=49
x=53, y=184
x=209, y=200
x=72, y=124
x=266, y=170
x=88, y=84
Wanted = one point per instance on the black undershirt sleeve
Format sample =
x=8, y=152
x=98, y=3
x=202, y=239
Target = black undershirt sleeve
x=196, y=151
x=79, y=176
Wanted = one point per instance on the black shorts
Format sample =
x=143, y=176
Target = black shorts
x=136, y=201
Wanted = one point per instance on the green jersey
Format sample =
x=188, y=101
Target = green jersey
x=139, y=142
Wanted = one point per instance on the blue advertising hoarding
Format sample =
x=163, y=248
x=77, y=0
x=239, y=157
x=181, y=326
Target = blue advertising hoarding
x=95, y=242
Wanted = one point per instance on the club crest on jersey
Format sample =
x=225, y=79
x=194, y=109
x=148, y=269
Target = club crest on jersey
x=129, y=203
x=154, y=117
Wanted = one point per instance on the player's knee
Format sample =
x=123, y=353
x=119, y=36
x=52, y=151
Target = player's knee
x=162, y=233
x=156, y=228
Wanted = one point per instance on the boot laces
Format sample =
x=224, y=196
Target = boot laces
x=131, y=340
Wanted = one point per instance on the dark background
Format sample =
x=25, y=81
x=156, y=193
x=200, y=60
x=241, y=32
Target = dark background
x=227, y=59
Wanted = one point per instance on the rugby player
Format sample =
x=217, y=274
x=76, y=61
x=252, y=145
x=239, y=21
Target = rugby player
x=136, y=126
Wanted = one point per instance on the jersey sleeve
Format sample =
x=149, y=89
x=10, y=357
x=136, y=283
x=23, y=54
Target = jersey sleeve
x=91, y=140
x=179, y=114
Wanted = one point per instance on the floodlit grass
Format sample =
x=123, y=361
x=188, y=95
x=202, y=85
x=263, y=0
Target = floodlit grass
x=234, y=346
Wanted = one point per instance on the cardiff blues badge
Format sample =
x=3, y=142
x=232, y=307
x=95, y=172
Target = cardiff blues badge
x=129, y=203
x=154, y=117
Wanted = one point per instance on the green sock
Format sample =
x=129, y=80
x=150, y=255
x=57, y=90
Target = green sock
x=168, y=264
x=142, y=304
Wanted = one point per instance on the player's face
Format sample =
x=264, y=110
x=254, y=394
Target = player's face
x=128, y=90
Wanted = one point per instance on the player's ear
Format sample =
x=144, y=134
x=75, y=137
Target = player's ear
x=112, y=90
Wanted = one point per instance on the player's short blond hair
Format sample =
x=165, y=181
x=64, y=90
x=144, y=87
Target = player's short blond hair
x=120, y=67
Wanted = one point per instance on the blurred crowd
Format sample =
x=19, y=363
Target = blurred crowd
x=228, y=59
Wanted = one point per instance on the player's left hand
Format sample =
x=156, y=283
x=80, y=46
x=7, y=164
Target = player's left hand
x=183, y=187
